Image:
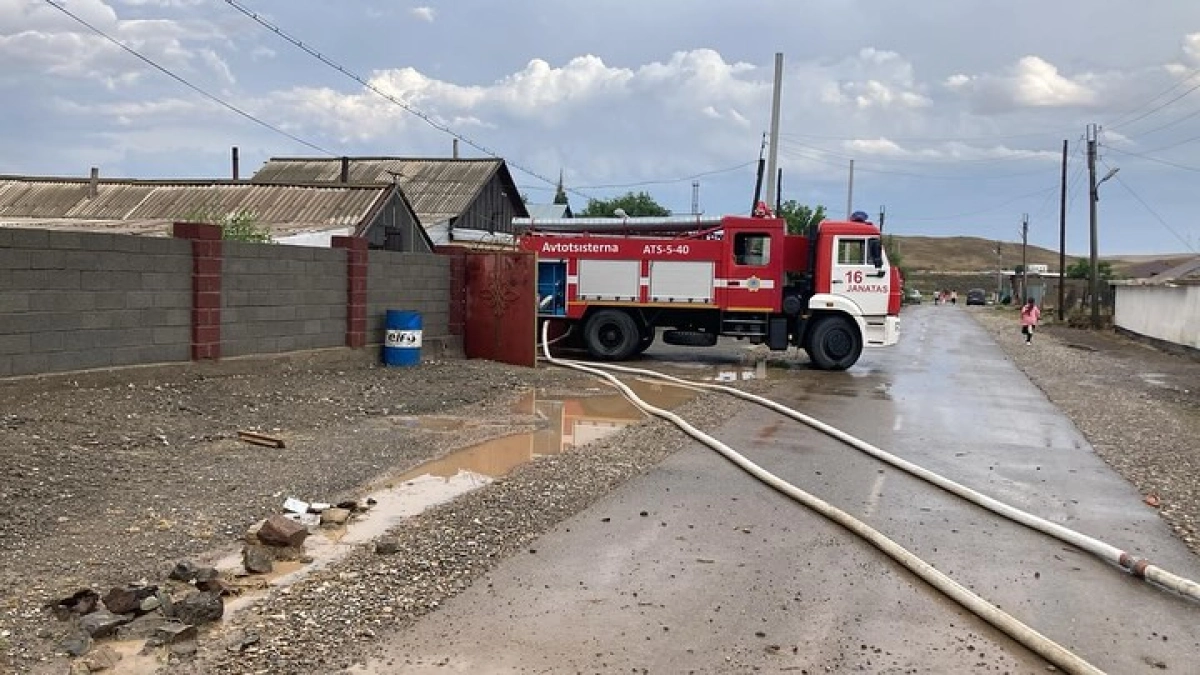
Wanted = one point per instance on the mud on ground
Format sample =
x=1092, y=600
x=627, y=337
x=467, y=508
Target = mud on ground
x=111, y=477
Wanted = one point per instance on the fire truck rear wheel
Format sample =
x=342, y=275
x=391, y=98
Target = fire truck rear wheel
x=611, y=335
x=834, y=344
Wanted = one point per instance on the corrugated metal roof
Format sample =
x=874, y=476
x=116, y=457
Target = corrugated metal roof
x=538, y=211
x=141, y=205
x=438, y=188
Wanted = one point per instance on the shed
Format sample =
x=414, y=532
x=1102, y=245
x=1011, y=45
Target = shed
x=292, y=213
x=456, y=200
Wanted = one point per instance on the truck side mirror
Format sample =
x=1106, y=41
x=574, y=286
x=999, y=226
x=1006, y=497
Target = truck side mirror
x=875, y=252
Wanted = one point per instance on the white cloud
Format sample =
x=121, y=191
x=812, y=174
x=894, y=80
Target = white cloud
x=423, y=13
x=1031, y=83
x=38, y=38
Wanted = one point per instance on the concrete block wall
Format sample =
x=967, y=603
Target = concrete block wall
x=411, y=281
x=75, y=300
x=277, y=298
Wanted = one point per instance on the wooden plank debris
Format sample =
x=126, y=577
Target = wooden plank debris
x=260, y=439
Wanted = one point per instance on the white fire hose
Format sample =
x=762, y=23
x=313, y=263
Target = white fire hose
x=1036, y=642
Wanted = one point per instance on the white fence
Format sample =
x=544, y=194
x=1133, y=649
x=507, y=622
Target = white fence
x=1165, y=312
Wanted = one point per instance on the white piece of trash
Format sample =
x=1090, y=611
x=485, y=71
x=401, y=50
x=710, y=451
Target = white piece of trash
x=295, y=505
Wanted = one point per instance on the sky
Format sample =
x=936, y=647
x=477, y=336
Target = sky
x=954, y=112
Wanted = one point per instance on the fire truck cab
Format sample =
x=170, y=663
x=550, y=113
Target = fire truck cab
x=616, y=283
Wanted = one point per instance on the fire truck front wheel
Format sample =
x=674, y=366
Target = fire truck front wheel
x=834, y=344
x=611, y=335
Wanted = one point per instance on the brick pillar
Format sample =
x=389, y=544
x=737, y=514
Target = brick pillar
x=356, y=289
x=207, y=254
x=458, y=287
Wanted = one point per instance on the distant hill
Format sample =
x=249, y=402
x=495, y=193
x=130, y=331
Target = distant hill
x=974, y=255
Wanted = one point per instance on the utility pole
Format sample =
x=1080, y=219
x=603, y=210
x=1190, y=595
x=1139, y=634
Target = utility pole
x=695, y=198
x=999, y=274
x=773, y=149
x=882, y=216
x=1024, y=262
x=1094, y=278
x=850, y=193
x=1062, y=239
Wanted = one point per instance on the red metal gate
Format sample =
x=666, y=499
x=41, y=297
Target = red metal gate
x=500, y=320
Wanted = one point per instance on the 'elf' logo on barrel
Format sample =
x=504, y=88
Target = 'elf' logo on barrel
x=403, y=338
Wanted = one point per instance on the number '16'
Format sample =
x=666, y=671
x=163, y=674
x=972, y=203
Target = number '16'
x=854, y=276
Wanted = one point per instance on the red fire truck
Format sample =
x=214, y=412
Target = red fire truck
x=616, y=282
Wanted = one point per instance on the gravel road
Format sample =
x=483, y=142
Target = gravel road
x=110, y=478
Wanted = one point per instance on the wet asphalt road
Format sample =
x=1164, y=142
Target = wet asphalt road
x=722, y=575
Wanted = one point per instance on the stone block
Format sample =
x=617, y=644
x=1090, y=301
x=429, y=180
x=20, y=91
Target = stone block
x=282, y=531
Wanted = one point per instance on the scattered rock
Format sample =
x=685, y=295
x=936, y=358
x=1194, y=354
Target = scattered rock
x=101, y=658
x=282, y=531
x=257, y=559
x=199, y=608
x=142, y=627
x=334, y=517
x=240, y=640
x=218, y=586
x=150, y=604
x=184, y=570
x=205, y=574
x=251, y=536
x=387, y=546
x=165, y=602
x=123, y=600
x=185, y=648
x=102, y=622
x=171, y=632
x=76, y=644
x=82, y=602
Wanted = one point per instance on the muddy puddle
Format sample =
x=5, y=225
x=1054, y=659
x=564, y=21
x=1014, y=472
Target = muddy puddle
x=561, y=424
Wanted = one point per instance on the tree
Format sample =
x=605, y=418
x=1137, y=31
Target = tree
x=635, y=204
x=238, y=225
x=1082, y=269
x=800, y=217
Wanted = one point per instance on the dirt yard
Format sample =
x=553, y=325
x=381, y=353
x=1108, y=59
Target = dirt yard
x=108, y=479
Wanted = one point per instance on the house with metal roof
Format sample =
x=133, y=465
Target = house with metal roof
x=456, y=200
x=294, y=214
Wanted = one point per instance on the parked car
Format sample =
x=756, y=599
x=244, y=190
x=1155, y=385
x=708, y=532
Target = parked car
x=912, y=296
x=976, y=296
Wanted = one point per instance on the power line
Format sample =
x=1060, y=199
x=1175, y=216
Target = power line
x=189, y=85
x=1157, y=96
x=405, y=106
x=1152, y=159
x=1151, y=210
x=918, y=159
x=935, y=139
x=989, y=209
x=1160, y=106
x=667, y=181
x=858, y=167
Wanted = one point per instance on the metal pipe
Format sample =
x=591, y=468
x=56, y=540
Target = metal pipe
x=641, y=225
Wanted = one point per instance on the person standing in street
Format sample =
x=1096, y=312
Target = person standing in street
x=1029, y=319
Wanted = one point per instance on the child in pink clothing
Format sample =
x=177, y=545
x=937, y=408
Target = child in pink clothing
x=1029, y=319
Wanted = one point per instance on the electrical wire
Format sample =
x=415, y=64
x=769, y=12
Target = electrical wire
x=1152, y=159
x=858, y=166
x=1154, y=213
x=935, y=139
x=212, y=97
x=412, y=110
x=917, y=160
x=1159, y=107
x=989, y=209
x=667, y=181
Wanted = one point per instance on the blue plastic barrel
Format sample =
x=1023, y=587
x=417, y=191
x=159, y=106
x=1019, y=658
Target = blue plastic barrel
x=402, y=338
